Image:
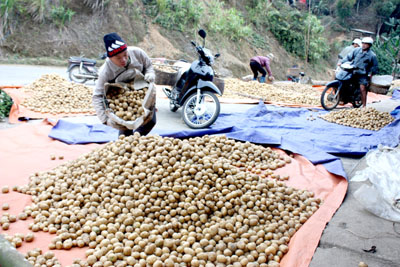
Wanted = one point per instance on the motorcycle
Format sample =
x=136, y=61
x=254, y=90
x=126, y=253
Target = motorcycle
x=344, y=88
x=81, y=69
x=296, y=79
x=195, y=91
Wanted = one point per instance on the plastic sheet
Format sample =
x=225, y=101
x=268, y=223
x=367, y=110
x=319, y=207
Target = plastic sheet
x=82, y=133
x=10, y=257
x=396, y=94
x=380, y=191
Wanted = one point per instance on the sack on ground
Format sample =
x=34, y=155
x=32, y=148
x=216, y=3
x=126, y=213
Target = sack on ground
x=380, y=189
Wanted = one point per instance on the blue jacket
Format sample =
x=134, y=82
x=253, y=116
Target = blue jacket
x=365, y=61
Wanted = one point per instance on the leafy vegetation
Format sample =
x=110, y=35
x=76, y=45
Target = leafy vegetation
x=228, y=22
x=387, y=49
x=6, y=15
x=344, y=9
x=5, y=105
x=175, y=14
x=39, y=11
x=60, y=15
x=300, y=33
x=258, y=41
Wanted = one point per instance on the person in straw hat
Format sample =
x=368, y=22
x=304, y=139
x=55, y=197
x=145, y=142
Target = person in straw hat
x=257, y=65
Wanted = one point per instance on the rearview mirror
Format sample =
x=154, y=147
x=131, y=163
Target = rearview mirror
x=202, y=33
x=103, y=55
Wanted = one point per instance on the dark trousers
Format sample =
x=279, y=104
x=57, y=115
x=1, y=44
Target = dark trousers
x=144, y=129
x=256, y=68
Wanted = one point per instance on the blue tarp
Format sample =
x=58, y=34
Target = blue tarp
x=82, y=133
x=396, y=94
x=286, y=128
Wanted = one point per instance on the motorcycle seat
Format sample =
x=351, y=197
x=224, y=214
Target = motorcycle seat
x=85, y=60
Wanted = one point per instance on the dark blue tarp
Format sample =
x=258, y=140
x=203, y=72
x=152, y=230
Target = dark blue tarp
x=286, y=128
x=82, y=133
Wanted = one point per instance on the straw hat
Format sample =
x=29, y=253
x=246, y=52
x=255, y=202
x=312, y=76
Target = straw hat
x=271, y=56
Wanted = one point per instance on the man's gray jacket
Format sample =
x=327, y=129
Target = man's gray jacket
x=365, y=61
x=108, y=72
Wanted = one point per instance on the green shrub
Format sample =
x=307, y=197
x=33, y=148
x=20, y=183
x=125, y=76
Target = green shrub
x=323, y=7
x=318, y=44
x=256, y=12
x=258, y=41
x=60, y=15
x=344, y=9
x=5, y=104
x=175, y=14
x=6, y=15
x=387, y=49
x=290, y=27
x=228, y=22
x=384, y=8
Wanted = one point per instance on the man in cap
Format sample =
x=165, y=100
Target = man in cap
x=121, y=65
x=257, y=65
x=366, y=64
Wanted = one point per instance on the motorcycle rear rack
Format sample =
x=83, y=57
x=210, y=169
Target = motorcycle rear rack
x=84, y=63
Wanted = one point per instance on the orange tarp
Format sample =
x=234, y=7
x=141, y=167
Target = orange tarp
x=26, y=149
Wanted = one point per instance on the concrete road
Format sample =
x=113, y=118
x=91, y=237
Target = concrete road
x=351, y=230
x=25, y=74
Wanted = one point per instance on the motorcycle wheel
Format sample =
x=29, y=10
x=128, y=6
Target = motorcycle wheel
x=204, y=114
x=75, y=70
x=329, y=98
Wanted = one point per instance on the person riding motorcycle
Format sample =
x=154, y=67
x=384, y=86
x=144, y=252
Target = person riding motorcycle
x=365, y=63
x=120, y=66
x=348, y=49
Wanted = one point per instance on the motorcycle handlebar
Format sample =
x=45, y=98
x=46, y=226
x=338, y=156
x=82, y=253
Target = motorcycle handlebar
x=199, y=50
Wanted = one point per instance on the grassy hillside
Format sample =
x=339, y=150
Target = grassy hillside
x=52, y=30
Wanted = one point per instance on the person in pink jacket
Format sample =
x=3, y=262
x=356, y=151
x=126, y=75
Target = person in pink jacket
x=257, y=65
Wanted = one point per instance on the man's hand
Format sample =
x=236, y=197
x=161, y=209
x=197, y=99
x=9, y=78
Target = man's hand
x=271, y=78
x=150, y=77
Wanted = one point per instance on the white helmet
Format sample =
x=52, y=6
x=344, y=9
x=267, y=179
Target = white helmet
x=367, y=40
x=357, y=41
